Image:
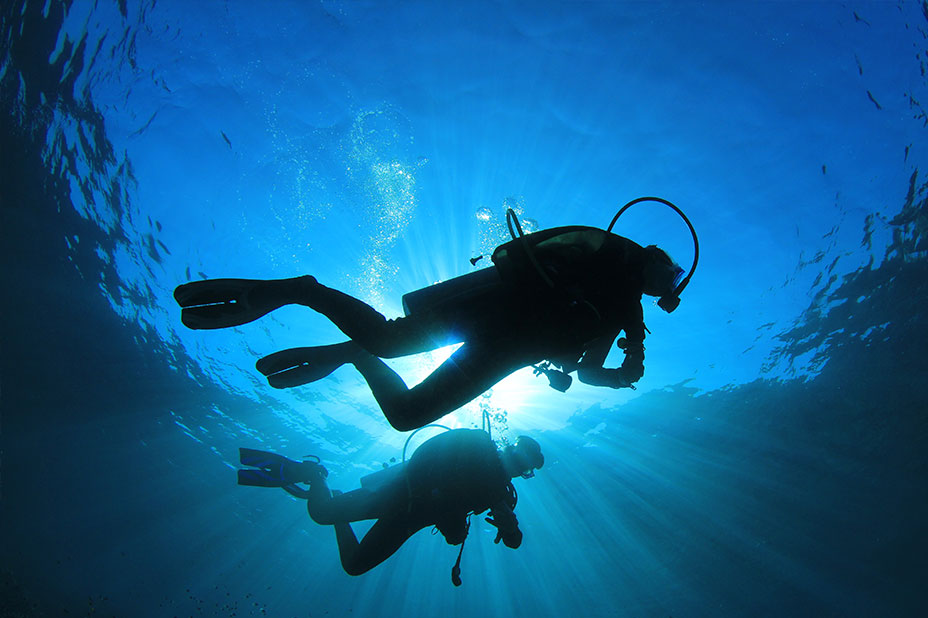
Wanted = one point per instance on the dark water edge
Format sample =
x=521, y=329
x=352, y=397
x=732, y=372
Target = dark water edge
x=80, y=388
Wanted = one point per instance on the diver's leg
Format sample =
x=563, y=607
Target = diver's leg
x=347, y=547
x=369, y=328
x=326, y=507
x=297, y=366
x=472, y=370
x=381, y=541
x=221, y=303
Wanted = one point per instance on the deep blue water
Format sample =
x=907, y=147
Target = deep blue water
x=772, y=461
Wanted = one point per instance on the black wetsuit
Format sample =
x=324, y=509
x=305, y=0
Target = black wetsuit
x=565, y=299
x=451, y=475
x=590, y=292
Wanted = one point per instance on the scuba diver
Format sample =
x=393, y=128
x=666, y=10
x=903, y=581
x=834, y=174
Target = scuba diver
x=449, y=477
x=555, y=300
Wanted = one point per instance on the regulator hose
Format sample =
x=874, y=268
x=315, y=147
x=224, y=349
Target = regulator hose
x=661, y=200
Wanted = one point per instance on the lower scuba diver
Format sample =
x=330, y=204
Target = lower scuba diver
x=555, y=300
x=449, y=477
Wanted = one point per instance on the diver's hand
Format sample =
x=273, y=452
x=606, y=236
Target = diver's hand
x=507, y=528
x=499, y=533
x=510, y=538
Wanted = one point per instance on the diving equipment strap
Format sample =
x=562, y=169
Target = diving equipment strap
x=529, y=252
x=456, y=569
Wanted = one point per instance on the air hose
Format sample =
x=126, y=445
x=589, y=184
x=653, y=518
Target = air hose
x=405, y=446
x=686, y=220
x=512, y=222
x=511, y=219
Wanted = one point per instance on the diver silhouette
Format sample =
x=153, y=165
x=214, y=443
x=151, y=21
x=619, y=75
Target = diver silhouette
x=449, y=477
x=556, y=298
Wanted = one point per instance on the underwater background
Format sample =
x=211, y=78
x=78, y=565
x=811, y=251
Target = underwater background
x=772, y=461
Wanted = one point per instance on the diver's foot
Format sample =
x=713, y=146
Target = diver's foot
x=221, y=303
x=305, y=472
x=298, y=366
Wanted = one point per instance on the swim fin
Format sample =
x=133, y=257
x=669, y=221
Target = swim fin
x=272, y=470
x=221, y=303
x=297, y=366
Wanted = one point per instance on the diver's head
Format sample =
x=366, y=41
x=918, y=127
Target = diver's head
x=661, y=275
x=523, y=457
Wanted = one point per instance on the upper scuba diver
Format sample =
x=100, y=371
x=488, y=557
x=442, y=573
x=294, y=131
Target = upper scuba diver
x=448, y=478
x=556, y=298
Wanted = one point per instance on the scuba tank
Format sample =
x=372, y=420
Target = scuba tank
x=519, y=255
x=451, y=290
x=376, y=480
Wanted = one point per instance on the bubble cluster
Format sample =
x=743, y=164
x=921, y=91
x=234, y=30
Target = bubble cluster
x=378, y=161
x=492, y=228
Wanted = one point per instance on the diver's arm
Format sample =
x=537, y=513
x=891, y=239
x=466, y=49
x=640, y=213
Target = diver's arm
x=633, y=346
x=590, y=370
x=507, y=525
x=632, y=368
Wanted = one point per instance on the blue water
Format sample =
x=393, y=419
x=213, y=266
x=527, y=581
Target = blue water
x=772, y=460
